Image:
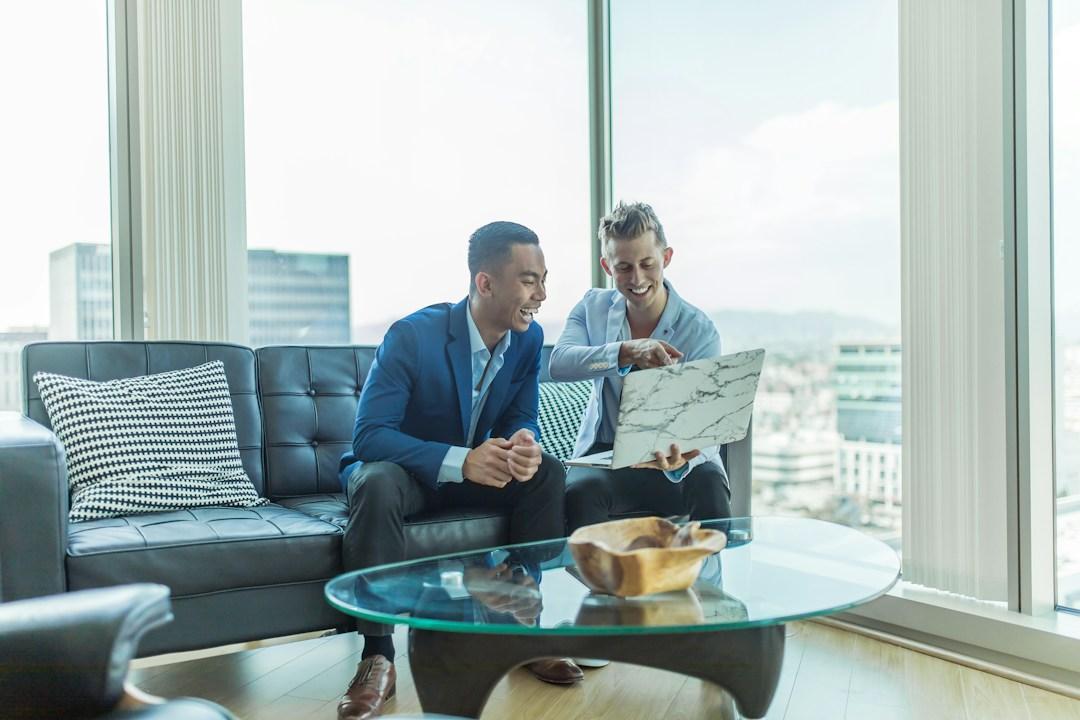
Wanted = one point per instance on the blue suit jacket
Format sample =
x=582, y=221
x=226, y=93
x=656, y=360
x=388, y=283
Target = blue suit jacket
x=417, y=398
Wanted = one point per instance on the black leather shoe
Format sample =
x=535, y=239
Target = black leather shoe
x=558, y=671
x=374, y=683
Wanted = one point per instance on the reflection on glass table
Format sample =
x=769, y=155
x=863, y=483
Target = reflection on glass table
x=474, y=616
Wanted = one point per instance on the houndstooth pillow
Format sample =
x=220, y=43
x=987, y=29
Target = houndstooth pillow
x=148, y=444
x=562, y=405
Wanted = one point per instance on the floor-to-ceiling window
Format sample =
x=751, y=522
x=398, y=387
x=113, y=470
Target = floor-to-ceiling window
x=56, y=274
x=1065, y=44
x=765, y=135
x=379, y=135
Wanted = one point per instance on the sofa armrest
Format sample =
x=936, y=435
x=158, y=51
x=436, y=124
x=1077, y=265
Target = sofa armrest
x=33, y=509
x=67, y=655
x=738, y=462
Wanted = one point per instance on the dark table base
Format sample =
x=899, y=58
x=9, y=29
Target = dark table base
x=455, y=673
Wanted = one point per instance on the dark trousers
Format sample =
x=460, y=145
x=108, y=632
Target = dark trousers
x=381, y=495
x=594, y=495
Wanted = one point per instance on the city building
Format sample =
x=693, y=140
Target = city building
x=11, y=345
x=292, y=297
x=80, y=292
x=867, y=379
x=794, y=471
x=298, y=298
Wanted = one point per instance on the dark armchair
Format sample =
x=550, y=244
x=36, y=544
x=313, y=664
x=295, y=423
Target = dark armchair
x=67, y=656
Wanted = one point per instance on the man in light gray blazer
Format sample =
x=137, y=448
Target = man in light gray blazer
x=642, y=323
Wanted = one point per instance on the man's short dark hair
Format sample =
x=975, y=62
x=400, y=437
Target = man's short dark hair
x=490, y=246
x=628, y=221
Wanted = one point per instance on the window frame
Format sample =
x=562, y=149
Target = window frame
x=1031, y=628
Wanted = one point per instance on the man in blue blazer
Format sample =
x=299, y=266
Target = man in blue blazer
x=448, y=418
x=642, y=323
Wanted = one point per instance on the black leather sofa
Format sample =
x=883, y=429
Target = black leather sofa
x=67, y=656
x=235, y=574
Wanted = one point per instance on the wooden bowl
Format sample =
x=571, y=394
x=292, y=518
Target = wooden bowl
x=641, y=556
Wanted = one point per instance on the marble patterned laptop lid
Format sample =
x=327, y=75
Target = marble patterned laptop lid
x=696, y=405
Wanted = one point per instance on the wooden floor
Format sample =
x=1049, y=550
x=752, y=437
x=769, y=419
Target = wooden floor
x=828, y=674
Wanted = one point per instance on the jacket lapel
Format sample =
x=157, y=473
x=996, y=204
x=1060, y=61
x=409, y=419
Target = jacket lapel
x=615, y=319
x=459, y=351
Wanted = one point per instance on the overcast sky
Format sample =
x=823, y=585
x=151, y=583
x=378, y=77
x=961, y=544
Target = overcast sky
x=765, y=134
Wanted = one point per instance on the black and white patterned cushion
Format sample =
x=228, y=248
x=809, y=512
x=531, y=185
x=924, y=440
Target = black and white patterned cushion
x=562, y=405
x=148, y=444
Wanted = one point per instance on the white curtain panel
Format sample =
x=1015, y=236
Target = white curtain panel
x=952, y=228
x=192, y=168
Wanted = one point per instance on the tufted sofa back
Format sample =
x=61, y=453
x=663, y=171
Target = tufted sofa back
x=102, y=361
x=294, y=406
x=309, y=398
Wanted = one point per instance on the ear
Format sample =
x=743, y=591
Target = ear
x=604, y=264
x=483, y=284
x=668, y=252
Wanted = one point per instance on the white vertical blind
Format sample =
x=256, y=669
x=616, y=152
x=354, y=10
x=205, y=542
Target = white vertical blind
x=952, y=234
x=191, y=143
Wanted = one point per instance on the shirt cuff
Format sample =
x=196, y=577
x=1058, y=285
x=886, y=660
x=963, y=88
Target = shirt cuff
x=612, y=352
x=677, y=475
x=451, y=469
x=624, y=371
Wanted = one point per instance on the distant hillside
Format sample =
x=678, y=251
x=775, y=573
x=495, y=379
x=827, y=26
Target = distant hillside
x=804, y=332
x=813, y=333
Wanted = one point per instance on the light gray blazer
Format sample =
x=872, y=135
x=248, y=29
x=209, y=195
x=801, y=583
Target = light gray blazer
x=588, y=349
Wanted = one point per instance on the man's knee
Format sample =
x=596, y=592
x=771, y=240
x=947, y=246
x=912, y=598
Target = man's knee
x=585, y=486
x=708, y=489
x=378, y=484
x=551, y=475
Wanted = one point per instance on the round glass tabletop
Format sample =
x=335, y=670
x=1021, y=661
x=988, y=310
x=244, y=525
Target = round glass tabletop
x=773, y=570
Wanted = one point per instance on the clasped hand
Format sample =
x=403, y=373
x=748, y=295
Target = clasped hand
x=497, y=461
x=504, y=591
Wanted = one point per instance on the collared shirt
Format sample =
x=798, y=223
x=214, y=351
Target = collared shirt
x=485, y=366
x=612, y=395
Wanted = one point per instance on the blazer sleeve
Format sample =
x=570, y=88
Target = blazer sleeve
x=524, y=408
x=574, y=357
x=377, y=435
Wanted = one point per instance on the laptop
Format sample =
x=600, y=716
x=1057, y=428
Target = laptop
x=695, y=405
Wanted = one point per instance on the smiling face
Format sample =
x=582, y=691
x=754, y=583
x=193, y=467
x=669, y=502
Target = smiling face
x=507, y=298
x=637, y=267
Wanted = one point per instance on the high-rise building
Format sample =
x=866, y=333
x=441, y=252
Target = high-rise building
x=11, y=345
x=795, y=470
x=292, y=297
x=298, y=298
x=801, y=459
x=867, y=379
x=80, y=292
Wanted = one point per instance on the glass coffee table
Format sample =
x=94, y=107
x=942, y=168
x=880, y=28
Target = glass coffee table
x=475, y=616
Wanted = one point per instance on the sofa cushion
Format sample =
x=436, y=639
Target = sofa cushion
x=430, y=533
x=148, y=443
x=204, y=550
x=562, y=405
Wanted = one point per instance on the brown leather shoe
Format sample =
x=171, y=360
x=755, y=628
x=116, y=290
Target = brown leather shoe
x=559, y=671
x=374, y=683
